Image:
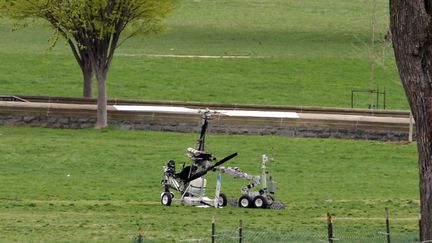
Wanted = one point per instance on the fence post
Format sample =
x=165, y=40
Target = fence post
x=330, y=228
x=213, y=235
x=139, y=238
x=241, y=231
x=387, y=224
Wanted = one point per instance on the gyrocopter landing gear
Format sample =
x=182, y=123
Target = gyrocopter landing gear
x=193, y=194
x=166, y=198
x=222, y=201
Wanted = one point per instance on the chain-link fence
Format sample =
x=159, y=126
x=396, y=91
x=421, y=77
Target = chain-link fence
x=364, y=236
x=344, y=230
x=249, y=236
x=263, y=236
x=342, y=233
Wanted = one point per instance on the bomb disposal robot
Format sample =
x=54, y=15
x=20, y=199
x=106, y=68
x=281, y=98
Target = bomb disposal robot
x=254, y=199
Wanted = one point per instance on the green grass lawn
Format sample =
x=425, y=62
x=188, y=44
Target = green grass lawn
x=114, y=185
x=303, y=53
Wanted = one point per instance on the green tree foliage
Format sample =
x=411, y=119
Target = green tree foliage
x=93, y=29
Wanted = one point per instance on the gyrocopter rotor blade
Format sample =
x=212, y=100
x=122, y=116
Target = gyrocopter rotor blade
x=201, y=173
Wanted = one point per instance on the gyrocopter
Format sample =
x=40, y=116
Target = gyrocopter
x=190, y=182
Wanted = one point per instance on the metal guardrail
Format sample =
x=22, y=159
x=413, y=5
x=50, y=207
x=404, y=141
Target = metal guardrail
x=12, y=98
x=215, y=106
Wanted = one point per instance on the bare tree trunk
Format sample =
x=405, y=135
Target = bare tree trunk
x=82, y=56
x=87, y=71
x=411, y=28
x=102, y=117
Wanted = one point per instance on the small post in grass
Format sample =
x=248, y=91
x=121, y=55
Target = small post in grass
x=241, y=231
x=330, y=228
x=213, y=236
x=387, y=224
x=139, y=238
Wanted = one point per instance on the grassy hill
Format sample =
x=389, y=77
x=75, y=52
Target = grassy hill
x=302, y=53
x=114, y=185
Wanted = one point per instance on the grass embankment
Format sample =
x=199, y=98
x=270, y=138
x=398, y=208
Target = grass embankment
x=302, y=53
x=114, y=185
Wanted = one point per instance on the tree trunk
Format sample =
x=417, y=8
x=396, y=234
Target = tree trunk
x=82, y=56
x=87, y=71
x=411, y=27
x=102, y=117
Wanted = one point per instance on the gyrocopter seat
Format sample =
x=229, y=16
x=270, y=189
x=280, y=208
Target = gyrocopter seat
x=184, y=174
x=198, y=186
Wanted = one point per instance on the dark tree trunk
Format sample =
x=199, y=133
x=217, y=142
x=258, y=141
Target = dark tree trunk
x=411, y=28
x=82, y=56
x=87, y=71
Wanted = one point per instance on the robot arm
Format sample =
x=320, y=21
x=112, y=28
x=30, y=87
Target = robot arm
x=236, y=173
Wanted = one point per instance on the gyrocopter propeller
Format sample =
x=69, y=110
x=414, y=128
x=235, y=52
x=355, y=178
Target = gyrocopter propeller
x=203, y=172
